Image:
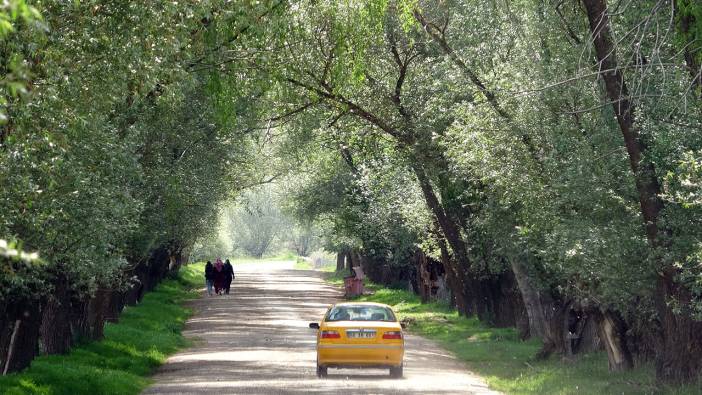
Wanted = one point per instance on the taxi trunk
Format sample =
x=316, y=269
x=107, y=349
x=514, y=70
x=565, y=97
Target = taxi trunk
x=360, y=344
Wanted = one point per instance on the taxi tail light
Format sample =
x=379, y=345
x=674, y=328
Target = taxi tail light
x=392, y=335
x=330, y=335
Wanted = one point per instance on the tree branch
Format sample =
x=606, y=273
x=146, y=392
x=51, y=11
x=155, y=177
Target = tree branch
x=353, y=108
x=236, y=35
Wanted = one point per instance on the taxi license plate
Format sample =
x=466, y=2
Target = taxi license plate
x=360, y=334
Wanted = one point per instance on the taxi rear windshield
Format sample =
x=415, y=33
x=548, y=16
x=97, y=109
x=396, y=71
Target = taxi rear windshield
x=360, y=313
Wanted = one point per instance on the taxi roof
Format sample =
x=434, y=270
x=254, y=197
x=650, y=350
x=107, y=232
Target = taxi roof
x=361, y=304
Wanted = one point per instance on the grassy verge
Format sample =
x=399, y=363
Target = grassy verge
x=302, y=264
x=131, y=350
x=507, y=363
x=284, y=256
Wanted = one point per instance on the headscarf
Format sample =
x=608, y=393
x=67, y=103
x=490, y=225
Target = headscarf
x=219, y=265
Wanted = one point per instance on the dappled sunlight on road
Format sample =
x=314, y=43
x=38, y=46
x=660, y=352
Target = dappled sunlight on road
x=249, y=355
x=257, y=341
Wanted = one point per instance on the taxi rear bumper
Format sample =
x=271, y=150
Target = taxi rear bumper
x=360, y=355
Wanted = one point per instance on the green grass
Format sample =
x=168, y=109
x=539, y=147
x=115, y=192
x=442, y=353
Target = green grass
x=120, y=363
x=283, y=256
x=304, y=265
x=507, y=363
x=337, y=278
x=328, y=269
x=301, y=264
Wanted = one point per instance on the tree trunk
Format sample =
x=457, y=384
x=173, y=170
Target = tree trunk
x=12, y=340
x=643, y=340
x=466, y=288
x=536, y=302
x=590, y=338
x=175, y=261
x=158, y=267
x=131, y=296
x=136, y=285
x=452, y=279
x=55, y=323
x=556, y=335
x=7, y=325
x=679, y=358
x=115, y=304
x=25, y=338
x=612, y=334
x=355, y=258
x=423, y=276
x=97, y=308
x=578, y=327
x=80, y=319
x=340, y=256
x=450, y=230
x=644, y=172
x=509, y=306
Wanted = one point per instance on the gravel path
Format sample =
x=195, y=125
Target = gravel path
x=256, y=341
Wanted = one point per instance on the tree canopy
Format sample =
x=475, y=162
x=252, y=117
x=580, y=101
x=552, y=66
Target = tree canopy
x=546, y=154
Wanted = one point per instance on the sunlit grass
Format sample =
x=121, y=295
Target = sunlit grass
x=336, y=278
x=506, y=362
x=280, y=257
x=145, y=335
x=303, y=264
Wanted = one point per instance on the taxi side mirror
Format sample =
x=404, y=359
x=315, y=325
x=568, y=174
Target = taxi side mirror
x=314, y=325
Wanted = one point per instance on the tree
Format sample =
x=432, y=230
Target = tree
x=256, y=222
x=681, y=340
x=112, y=179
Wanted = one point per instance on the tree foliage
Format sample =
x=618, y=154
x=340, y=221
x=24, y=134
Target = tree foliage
x=114, y=154
x=547, y=154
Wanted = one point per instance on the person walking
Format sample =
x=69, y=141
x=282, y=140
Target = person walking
x=218, y=276
x=209, y=277
x=228, y=276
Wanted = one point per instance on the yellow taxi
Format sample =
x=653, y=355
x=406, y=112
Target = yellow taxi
x=359, y=335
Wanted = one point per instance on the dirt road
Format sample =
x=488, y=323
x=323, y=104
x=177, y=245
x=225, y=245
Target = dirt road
x=257, y=341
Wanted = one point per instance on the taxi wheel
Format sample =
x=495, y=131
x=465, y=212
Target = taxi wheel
x=321, y=371
x=396, y=372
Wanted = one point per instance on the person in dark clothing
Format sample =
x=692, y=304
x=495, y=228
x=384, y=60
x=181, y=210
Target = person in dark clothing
x=209, y=277
x=219, y=276
x=228, y=276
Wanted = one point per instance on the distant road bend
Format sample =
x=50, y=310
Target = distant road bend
x=257, y=341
